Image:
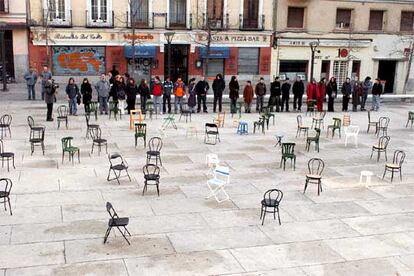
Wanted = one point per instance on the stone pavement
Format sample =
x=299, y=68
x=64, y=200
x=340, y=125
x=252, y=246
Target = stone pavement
x=59, y=215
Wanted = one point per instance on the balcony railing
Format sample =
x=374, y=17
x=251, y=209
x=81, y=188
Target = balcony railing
x=215, y=23
x=96, y=21
x=57, y=18
x=254, y=24
x=179, y=21
x=140, y=20
x=4, y=6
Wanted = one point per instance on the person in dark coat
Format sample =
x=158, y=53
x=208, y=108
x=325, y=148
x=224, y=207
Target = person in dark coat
x=201, y=88
x=218, y=87
x=167, y=88
x=298, y=90
x=234, y=93
x=377, y=90
x=346, y=93
x=72, y=91
x=144, y=93
x=86, y=91
x=192, y=95
x=332, y=92
x=357, y=93
x=275, y=93
x=285, y=94
x=49, y=95
x=248, y=95
x=131, y=94
x=260, y=92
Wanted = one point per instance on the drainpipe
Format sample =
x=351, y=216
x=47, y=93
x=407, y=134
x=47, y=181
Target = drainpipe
x=274, y=27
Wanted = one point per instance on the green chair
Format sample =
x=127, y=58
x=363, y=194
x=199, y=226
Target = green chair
x=268, y=114
x=113, y=108
x=67, y=147
x=310, y=106
x=336, y=126
x=237, y=110
x=141, y=132
x=259, y=124
x=93, y=109
x=410, y=119
x=288, y=152
x=314, y=139
x=149, y=107
x=169, y=121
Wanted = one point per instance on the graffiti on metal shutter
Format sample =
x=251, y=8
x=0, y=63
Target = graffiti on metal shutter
x=75, y=61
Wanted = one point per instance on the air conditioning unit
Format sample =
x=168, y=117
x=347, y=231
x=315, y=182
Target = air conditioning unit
x=215, y=24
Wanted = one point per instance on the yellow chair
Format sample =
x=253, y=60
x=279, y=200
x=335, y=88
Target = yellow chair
x=135, y=116
x=220, y=119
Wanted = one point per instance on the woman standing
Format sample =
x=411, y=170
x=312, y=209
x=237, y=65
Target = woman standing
x=120, y=92
x=144, y=92
x=234, y=93
x=86, y=91
x=322, y=94
x=192, y=95
x=248, y=96
x=357, y=92
x=332, y=92
x=131, y=94
x=72, y=90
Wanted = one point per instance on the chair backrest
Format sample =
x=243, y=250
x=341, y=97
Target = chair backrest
x=288, y=148
x=93, y=106
x=346, y=120
x=299, y=120
x=113, y=105
x=212, y=159
x=37, y=133
x=30, y=121
x=140, y=129
x=337, y=122
x=96, y=133
x=369, y=117
x=116, y=159
x=62, y=111
x=318, y=133
x=151, y=169
x=1, y=146
x=383, y=141
x=273, y=194
x=149, y=105
x=66, y=142
x=383, y=122
x=316, y=166
x=399, y=157
x=88, y=118
x=6, y=120
x=352, y=130
x=222, y=173
x=7, y=184
x=111, y=211
x=221, y=116
x=210, y=126
x=155, y=144
x=410, y=115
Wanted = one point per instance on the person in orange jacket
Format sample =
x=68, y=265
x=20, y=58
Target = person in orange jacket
x=322, y=94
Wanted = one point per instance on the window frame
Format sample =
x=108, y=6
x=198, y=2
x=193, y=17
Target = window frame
x=370, y=24
x=412, y=21
x=56, y=20
x=290, y=8
x=350, y=10
x=96, y=22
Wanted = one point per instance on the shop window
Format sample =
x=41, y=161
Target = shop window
x=376, y=20
x=340, y=72
x=292, y=68
x=407, y=21
x=343, y=18
x=248, y=61
x=250, y=14
x=215, y=66
x=295, y=17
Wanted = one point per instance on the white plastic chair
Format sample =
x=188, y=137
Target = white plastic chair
x=218, y=182
x=351, y=131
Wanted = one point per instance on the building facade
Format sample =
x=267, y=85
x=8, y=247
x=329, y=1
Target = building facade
x=353, y=39
x=13, y=23
x=88, y=37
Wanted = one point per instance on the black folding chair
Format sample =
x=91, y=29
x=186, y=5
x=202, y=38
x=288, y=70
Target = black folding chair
x=117, y=165
x=6, y=156
x=89, y=127
x=155, y=146
x=151, y=177
x=5, y=122
x=116, y=221
x=5, y=193
x=271, y=200
x=97, y=140
x=211, y=130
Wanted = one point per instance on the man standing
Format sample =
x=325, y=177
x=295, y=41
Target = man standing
x=45, y=75
x=376, y=94
x=366, y=86
x=285, y=94
x=275, y=95
x=102, y=88
x=49, y=89
x=218, y=88
x=260, y=92
x=31, y=79
x=298, y=89
x=346, y=94
x=167, y=86
x=179, y=92
x=201, y=89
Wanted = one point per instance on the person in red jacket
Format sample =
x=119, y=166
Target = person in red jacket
x=312, y=91
x=157, y=93
x=322, y=94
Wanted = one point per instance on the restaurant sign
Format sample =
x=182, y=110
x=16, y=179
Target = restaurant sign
x=258, y=40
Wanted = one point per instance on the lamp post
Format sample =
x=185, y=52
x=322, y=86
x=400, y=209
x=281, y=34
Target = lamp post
x=3, y=55
x=313, y=46
x=169, y=37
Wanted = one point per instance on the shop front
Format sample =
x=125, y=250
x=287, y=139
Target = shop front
x=145, y=59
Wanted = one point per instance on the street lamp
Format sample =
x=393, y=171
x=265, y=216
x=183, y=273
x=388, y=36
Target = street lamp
x=313, y=45
x=3, y=54
x=169, y=37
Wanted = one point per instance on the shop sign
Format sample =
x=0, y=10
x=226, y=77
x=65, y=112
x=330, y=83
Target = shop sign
x=144, y=37
x=237, y=39
x=78, y=36
x=305, y=42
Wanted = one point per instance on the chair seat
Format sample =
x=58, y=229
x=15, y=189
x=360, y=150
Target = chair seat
x=71, y=149
x=392, y=166
x=269, y=202
x=216, y=181
x=313, y=176
x=153, y=152
x=119, y=167
x=378, y=147
x=62, y=117
x=139, y=134
x=212, y=132
x=7, y=154
x=4, y=125
x=288, y=155
x=152, y=177
x=37, y=128
x=303, y=127
x=93, y=126
x=99, y=141
x=312, y=139
x=36, y=140
x=4, y=194
x=118, y=222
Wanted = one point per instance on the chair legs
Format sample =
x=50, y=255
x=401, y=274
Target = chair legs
x=319, y=185
x=7, y=200
x=264, y=211
x=108, y=231
x=117, y=175
x=157, y=185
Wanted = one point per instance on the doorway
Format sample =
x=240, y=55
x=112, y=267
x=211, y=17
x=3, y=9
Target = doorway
x=386, y=72
x=179, y=62
x=326, y=64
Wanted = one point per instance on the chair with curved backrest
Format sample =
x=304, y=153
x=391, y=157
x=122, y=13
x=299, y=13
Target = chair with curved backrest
x=97, y=140
x=114, y=108
x=371, y=123
x=271, y=200
x=63, y=112
x=288, y=152
x=151, y=177
x=5, y=122
x=5, y=188
x=89, y=127
x=33, y=125
x=335, y=126
x=351, y=132
x=211, y=130
x=71, y=150
x=315, y=169
x=381, y=147
x=301, y=127
x=93, y=108
x=314, y=139
x=141, y=132
x=382, y=125
x=260, y=124
x=396, y=165
x=6, y=156
x=311, y=104
x=318, y=120
x=410, y=119
x=154, y=150
x=186, y=113
x=116, y=221
x=117, y=164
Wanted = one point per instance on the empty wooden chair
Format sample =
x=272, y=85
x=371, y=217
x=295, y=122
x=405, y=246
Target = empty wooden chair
x=381, y=147
x=219, y=121
x=135, y=116
x=63, y=112
x=396, y=165
x=301, y=127
x=314, y=175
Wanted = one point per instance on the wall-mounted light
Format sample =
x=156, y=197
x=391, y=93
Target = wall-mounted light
x=199, y=64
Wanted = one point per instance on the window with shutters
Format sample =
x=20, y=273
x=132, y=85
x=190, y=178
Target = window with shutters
x=139, y=13
x=376, y=20
x=215, y=66
x=343, y=18
x=248, y=61
x=99, y=13
x=407, y=21
x=178, y=16
x=215, y=14
x=57, y=12
x=340, y=72
x=4, y=6
x=295, y=17
x=250, y=14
